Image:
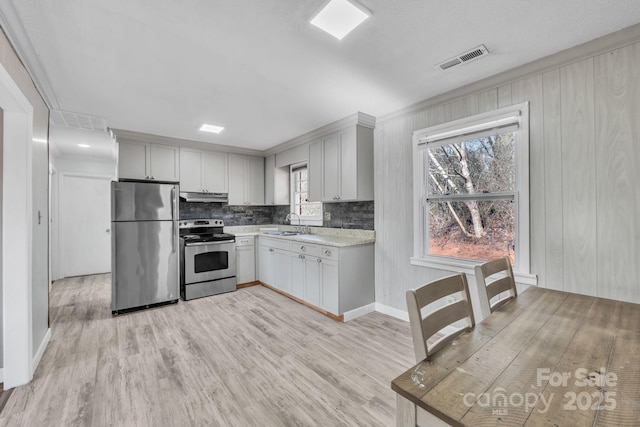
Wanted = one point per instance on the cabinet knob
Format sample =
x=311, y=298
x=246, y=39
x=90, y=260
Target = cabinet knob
x=270, y=249
x=302, y=248
x=327, y=253
x=302, y=256
x=319, y=260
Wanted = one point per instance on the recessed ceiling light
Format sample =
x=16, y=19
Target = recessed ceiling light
x=84, y=145
x=211, y=128
x=340, y=17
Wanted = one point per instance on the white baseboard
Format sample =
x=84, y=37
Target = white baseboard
x=393, y=312
x=360, y=311
x=1, y=375
x=41, y=349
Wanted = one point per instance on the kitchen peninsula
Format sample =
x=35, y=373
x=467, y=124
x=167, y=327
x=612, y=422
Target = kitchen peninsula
x=330, y=270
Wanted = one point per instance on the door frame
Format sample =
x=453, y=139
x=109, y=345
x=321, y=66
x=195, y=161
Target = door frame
x=17, y=233
x=61, y=221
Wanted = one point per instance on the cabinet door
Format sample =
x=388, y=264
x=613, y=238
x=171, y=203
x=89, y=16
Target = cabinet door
x=236, y=180
x=269, y=180
x=315, y=171
x=276, y=183
x=133, y=158
x=348, y=169
x=331, y=168
x=312, y=282
x=330, y=289
x=266, y=266
x=164, y=162
x=254, y=180
x=191, y=170
x=297, y=275
x=215, y=176
x=245, y=264
x=282, y=273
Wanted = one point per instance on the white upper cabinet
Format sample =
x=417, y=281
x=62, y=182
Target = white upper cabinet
x=246, y=180
x=143, y=160
x=276, y=183
x=341, y=166
x=203, y=171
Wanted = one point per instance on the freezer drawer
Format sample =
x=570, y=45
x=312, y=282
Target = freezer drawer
x=143, y=201
x=145, y=266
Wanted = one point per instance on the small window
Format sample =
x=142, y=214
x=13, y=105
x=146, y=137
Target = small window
x=310, y=212
x=471, y=182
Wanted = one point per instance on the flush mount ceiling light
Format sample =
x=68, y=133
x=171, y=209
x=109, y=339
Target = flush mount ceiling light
x=211, y=128
x=340, y=17
x=84, y=145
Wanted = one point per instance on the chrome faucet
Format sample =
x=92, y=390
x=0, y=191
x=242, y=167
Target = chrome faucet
x=289, y=218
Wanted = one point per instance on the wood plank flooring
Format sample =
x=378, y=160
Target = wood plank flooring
x=246, y=358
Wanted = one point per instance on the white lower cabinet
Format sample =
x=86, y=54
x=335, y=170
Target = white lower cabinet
x=312, y=280
x=245, y=259
x=298, y=273
x=333, y=279
x=266, y=264
x=282, y=276
x=329, y=286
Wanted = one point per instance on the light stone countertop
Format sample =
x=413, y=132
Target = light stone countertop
x=337, y=237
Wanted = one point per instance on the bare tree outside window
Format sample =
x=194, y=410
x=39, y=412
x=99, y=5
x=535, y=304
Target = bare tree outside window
x=471, y=193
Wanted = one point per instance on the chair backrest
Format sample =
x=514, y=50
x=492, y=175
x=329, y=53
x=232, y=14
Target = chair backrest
x=423, y=328
x=488, y=289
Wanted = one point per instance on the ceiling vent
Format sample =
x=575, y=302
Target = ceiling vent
x=78, y=121
x=468, y=56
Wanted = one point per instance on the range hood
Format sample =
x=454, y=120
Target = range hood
x=204, y=197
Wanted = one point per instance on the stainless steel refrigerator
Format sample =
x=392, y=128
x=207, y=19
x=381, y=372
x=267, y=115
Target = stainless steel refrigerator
x=144, y=245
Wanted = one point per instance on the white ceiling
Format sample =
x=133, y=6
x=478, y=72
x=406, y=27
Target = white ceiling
x=259, y=68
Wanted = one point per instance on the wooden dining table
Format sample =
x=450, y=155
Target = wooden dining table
x=547, y=358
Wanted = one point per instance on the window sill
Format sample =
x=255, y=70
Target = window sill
x=467, y=267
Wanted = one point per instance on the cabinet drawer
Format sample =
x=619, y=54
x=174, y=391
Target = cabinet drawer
x=274, y=243
x=244, y=241
x=305, y=248
x=329, y=252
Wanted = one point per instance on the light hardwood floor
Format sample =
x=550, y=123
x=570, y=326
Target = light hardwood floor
x=246, y=358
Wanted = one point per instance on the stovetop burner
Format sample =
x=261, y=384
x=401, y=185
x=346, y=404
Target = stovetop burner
x=219, y=237
x=204, y=230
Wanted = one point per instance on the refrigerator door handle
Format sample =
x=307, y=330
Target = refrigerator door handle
x=173, y=219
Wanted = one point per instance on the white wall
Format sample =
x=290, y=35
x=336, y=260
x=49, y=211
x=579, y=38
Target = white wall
x=26, y=318
x=584, y=148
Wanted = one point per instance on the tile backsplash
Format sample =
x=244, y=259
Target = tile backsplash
x=232, y=215
x=352, y=215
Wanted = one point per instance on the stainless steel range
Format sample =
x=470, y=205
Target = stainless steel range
x=208, y=258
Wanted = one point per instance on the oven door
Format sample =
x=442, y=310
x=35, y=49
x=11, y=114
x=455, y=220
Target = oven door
x=206, y=261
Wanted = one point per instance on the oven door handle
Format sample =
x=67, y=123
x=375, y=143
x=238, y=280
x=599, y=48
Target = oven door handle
x=209, y=243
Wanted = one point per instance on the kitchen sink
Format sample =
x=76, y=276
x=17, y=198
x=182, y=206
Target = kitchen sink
x=282, y=233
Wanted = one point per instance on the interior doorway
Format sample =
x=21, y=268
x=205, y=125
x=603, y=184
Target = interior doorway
x=85, y=224
x=17, y=333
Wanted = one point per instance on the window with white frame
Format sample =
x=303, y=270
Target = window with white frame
x=310, y=212
x=471, y=185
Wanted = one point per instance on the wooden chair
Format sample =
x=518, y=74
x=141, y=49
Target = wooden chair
x=488, y=290
x=424, y=328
